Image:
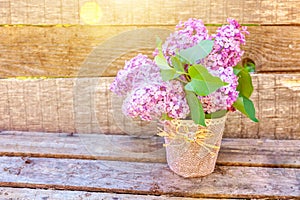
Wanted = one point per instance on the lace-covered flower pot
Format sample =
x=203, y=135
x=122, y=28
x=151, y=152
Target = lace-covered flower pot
x=191, y=149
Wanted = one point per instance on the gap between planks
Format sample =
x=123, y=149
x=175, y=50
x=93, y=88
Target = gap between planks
x=234, y=151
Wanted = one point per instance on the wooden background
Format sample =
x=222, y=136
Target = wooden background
x=53, y=39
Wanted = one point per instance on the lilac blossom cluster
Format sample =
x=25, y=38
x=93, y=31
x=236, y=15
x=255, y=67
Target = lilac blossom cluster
x=224, y=97
x=187, y=35
x=151, y=101
x=147, y=95
x=125, y=79
x=226, y=54
x=227, y=46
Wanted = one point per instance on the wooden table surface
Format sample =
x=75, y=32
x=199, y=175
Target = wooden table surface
x=91, y=166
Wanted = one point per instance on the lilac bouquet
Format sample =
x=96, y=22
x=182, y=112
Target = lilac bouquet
x=193, y=74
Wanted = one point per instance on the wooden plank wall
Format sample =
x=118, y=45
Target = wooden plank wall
x=158, y=12
x=42, y=38
x=84, y=105
x=61, y=51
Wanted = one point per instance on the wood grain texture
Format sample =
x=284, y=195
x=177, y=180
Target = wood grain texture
x=41, y=194
x=85, y=105
x=147, y=178
x=234, y=151
x=81, y=51
x=149, y=12
x=83, y=146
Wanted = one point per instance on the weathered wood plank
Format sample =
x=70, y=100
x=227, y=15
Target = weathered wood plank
x=147, y=178
x=144, y=12
x=41, y=194
x=239, y=152
x=257, y=152
x=85, y=105
x=83, y=146
x=5, y=14
x=101, y=50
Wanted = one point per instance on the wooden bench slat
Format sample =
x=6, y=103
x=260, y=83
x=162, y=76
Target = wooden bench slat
x=147, y=178
x=85, y=105
x=242, y=152
x=29, y=194
x=156, y=12
x=92, y=51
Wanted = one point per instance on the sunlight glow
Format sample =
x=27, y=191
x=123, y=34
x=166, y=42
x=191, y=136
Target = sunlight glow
x=91, y=13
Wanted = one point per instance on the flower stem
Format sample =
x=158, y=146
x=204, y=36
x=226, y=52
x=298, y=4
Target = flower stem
x=182, y=80
x=187, y=78
x=183, y=73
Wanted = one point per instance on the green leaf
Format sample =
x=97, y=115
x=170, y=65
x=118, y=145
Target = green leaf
x=168, y=74
x=237, y=69
x=161, y=62
x=160, y=59
x=189, y=87
x=245, y=86
x=202, y=82
x=217, y=114
x=177, y=64
x=197, y=52
x=158, y=42
x=196, y=108
x=245, y=106
x=250, y=67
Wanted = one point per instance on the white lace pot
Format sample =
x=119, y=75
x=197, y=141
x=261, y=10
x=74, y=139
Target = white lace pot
x=194, y=149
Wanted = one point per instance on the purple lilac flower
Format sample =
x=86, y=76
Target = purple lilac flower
x=151, y=101
x=147, y=95
x=188, y=34
x=226, y=51
x=226, y=54
x=224, y=97
x=132, y=75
